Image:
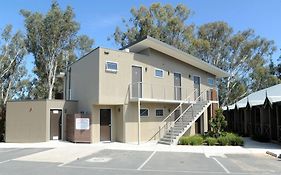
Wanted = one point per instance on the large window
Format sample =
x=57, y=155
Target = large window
x=159, y=73
x=159, y=112
x=144, y=112
x=111, y=66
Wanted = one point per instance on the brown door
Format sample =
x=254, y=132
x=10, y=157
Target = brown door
x=55, y=124
x=105, y=125
x=177, y=86
x=136, y=82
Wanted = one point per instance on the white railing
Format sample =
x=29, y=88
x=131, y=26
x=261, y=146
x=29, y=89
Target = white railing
x=158, y=91
x=169, y=122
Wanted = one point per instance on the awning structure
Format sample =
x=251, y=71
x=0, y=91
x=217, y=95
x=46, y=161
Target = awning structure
x=273, y=94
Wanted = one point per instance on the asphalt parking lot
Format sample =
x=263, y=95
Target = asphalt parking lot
x=140, y=162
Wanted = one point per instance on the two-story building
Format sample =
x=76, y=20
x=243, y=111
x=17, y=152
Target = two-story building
x=146, y=91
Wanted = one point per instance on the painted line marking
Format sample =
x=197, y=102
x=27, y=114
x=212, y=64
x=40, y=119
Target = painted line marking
x=223, y=167
x=68, y=162
x=5, y=161
x=163, y=171
x=147, y=160
x=10, y=150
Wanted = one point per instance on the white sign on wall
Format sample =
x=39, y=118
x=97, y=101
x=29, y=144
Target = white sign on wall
x=82, y=124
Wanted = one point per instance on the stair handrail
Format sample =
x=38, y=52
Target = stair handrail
x=191, y=105
x=164, y=120
x=185, y=100
x=182, y=114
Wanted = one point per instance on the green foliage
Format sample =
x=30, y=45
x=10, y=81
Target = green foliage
x=230, y=139
x=166, y=23
x=243, y=54
x=12, y=68
x=211, y=141
x=52, y=39
x=218, y=123
x=223, y=141
x=191, y=140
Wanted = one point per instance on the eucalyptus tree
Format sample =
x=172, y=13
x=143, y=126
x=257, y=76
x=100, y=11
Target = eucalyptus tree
x=53, y=40
x=12, y=69
x=243, y=54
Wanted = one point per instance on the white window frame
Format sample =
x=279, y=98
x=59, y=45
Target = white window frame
x=111, y=70
x=213, y=82
x=156, y=69
x=156, y=112
x=147, y=112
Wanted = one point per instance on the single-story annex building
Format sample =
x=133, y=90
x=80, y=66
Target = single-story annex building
x=145, y=91
x=257, y=115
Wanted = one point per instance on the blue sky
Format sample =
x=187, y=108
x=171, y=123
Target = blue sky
x=98, y=19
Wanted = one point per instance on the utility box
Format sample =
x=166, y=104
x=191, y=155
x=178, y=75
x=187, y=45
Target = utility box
x=78, y=128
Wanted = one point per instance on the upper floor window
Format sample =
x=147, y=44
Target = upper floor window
x=211, y=81
x=111, y=66
x=159, y=73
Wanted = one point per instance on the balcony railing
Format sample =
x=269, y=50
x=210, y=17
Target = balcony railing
x=141, y=90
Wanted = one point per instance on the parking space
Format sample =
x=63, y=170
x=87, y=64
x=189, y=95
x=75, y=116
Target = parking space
x=7, y=154
x=177, y=162
x=113, y=159
x=251, y=163
x=140, y=162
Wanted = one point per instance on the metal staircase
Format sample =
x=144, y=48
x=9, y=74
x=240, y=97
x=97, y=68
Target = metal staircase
x=172, y=128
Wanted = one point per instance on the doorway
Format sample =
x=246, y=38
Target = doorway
x=137, y=81
x=105, y=124
x=55, y=124
x=196, y=84
x=177, y=86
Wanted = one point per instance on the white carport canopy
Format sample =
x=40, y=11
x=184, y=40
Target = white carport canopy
x=273, y=94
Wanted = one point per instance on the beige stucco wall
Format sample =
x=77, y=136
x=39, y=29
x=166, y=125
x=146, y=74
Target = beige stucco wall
x=85, y=81
x=29, y=121
x=26, y=121
x=149, y=125
x=114, y=87
x=116, y=122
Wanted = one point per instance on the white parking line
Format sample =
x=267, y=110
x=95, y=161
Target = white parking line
x=5, y=151
x=145, y=162
x=225, y=169
x=145, y=170
x=5, y=161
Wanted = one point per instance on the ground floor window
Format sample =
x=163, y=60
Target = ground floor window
x=159, y=112
x=144, y=112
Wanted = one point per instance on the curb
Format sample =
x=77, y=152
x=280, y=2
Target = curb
x=273, y=154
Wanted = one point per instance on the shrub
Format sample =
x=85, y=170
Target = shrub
x=211, y=141
x=218, y=123
x=234, y=139
x=184, y=140
x=223, y=141
x=191, y=140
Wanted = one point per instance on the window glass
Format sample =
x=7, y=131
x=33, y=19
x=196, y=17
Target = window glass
x=159, y=112
x=143, y=112
x=159, y=73
x=211, y=81
x=111, y=66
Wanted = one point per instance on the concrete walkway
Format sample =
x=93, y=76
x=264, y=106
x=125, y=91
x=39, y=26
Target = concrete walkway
x=65, y=152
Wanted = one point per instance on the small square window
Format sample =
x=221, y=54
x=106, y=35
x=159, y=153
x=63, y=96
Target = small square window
x=159, y=73
x=211, y=81
x=144, y=112
x=159, y=112
x=111, y=66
